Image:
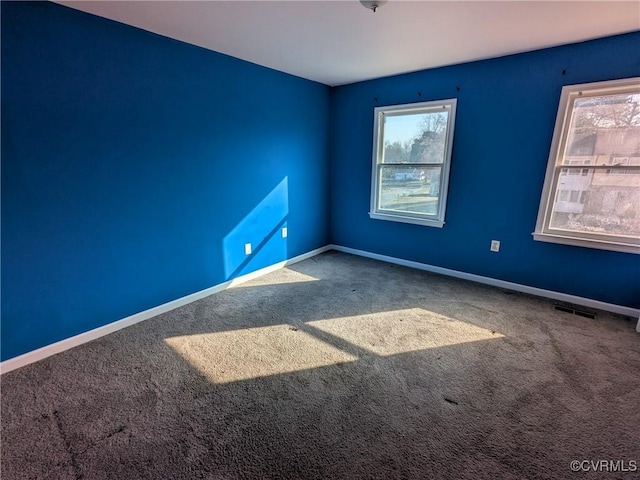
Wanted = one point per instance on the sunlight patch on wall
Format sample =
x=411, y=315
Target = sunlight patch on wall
x=402, y=331
x=235, y=355
x=261, y=228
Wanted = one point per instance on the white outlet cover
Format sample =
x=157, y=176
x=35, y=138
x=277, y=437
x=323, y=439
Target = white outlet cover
x=495, y=245
x=247, y=249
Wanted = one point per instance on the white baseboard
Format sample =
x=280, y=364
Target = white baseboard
x=564, y=297
x=67, y=343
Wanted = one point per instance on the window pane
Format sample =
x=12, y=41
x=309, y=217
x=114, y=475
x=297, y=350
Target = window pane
x=604, y=130
x=415, y=138
x=604, y=202
x=603, y=127
x=410, y=189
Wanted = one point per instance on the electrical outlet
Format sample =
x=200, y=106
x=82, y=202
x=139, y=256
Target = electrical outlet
x=285, y=232
x=495, y=245
x=247, y=249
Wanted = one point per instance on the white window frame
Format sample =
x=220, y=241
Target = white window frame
x=375, y=211
x=554, y=168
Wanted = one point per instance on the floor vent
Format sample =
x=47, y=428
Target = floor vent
x=575, y=311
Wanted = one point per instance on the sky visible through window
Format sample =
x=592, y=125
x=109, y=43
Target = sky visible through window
x=403, y=128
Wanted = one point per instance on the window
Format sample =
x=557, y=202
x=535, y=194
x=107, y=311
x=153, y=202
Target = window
x=563, y=195
x=575, y=196
x=591, y=194
x=411, y=158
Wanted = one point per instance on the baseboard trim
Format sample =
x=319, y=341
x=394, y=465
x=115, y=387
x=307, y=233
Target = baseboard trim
x=58, y=347
x=564, y=297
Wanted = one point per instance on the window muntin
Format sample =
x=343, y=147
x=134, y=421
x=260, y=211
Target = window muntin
x=411, y=158
x=591, y=195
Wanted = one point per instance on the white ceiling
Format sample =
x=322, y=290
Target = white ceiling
x=336, y=42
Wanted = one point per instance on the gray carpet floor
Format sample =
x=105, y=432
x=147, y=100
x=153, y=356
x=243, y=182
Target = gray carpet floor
x=336, y=367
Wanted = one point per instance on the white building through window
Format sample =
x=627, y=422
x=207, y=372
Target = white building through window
x=411, y=158
x=591, y=194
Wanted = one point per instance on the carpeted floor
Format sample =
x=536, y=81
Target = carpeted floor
x=337, y=367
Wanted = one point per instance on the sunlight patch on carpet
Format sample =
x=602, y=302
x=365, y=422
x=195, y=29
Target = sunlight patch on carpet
x=282, y=277
x=243, y=354
x=402, y=331
x=235, y=355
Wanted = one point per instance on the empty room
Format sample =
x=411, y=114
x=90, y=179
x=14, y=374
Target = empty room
x=320, y=240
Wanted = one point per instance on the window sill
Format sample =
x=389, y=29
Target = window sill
x=406, y=219
x=582, y=242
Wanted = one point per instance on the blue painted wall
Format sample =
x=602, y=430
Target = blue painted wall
x=504, y=124
x=135, y=167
